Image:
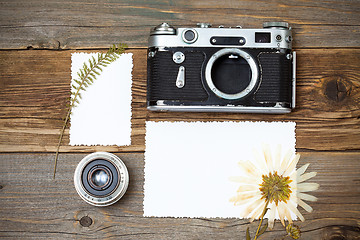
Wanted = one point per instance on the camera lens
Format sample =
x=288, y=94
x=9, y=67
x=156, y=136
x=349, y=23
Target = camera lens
x=101, y=179
x=231, y=73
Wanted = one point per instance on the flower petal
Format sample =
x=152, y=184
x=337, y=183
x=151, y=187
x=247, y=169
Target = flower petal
x=306, y=197
x=240, y=202
x=285, y=161
x=243, y=180
x=257, y=211
x=251, y=207
x=248, y=188
x=249, y=169
x=306, y=176
x=267, y=157
x=294, y=199
x=305, y=206
x=277, y=158
x=287, y=213
x=292, y=165
x=281, y=211
x=242, y=198
x=292, y=208
x=303, y=168
x=307, y=187
x=293, y=178
x=263, y=168
x=271, y=217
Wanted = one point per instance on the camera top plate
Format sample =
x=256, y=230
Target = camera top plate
x=273, y=35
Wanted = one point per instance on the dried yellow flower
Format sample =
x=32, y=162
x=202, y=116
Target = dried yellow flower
x=275, y=188
x=272, y=181
x=293, y=231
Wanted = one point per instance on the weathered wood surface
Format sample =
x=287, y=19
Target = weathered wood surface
x=35, y=84
x=32, y=205
x=57, y=24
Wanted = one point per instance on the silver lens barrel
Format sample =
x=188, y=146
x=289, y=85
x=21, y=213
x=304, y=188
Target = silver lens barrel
x=101, y=178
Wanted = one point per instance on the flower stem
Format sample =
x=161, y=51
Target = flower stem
x=262, y=218
x=60, y=140
x=72, y=104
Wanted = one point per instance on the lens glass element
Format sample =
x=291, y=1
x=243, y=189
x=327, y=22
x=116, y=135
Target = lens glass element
x=100, y=178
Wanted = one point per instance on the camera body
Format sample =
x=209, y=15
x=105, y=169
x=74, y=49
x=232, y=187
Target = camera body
x=221, y=69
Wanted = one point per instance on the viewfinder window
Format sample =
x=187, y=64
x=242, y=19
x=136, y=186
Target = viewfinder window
x=262, y=37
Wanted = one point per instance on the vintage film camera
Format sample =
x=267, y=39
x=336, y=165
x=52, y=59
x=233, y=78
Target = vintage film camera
x=221, y=69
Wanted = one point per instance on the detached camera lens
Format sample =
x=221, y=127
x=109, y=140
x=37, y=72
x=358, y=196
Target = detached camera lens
x=101, y=179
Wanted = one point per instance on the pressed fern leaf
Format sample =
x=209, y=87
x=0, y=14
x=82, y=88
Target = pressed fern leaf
x=86, y=76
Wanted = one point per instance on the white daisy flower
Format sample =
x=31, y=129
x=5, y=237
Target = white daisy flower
x=275, y=183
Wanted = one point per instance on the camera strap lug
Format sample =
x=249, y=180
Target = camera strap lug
x=180, y=79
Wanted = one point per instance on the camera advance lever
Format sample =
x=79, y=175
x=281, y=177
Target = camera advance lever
x=180, y=79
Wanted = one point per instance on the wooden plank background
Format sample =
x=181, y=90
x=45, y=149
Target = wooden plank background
x=44, y=208
x=57, y=24
x=36, y=41
x=33, y=104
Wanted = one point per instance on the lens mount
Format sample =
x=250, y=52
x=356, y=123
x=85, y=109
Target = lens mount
x=232, y=52
x=101, y=179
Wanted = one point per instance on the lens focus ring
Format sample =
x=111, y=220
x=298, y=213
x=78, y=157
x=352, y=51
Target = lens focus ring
x=101, y=179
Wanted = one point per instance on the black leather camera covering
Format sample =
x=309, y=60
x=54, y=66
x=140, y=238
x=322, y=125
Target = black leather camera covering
x=162, y=73
x=273, y=85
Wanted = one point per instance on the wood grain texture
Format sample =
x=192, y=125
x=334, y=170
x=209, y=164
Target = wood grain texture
x=32, y=205
x=34, y=87
x=58, y=24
